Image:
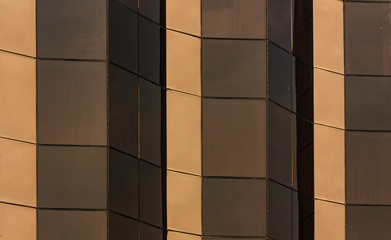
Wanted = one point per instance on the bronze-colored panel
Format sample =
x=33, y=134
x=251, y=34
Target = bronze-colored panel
x=328, y=35
x=329, y=163
x=183, y=132
x=329, y=100
x=180, y=236
x=17, y=97
x=184, y=16
x=17, y=24
x=183, y=202
x=18, y=172
x=17, y=223
x=329, y=221
x=183, y=62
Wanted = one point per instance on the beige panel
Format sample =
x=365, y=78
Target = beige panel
x=17, y=25
x=329, y=100
x=329, y=163
x=183, y=132
x=180, y=236
x=328, y=35
x=184, y=16
x=17, y=97
x=183, y=202
x=18, y=172
x=183, y=62
x=329, y=221
x=17, y=223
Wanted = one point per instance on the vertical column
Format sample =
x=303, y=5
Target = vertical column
x=71, y=119
x=368, y=118
x=18, y=199
x=137, y=116
x=329, y=120
x=183, y=119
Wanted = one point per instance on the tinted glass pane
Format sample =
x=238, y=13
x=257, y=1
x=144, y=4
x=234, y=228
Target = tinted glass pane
x=280, y=211
x=368, y=222
x=123, y=110
x=234, y=207
x=234, y=18
x=149, y=49
x=233, y=68
x=280, y=144
x=280, y=23
x=123, y=184
x=150, y=122
x=150, y=200
x=72, y=225
x=367, y=38
x=71, y=29
x=123, y=38
x=368, y=103
x=121, y=228
x=280, y=76
x=72, y=177
x=72, y=102
x=150, y=9
x=234, y=137
x=367, y=167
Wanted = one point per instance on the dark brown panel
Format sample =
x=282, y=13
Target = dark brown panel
x=72, y=102
x=368, y=179
x=148, y=232
x=123, y=110
x=367, y=38
x=150, y=199
x=72, y=225
x=133, y=4
x=122, y=228
x=368, y=103
x=123, y=189
x=280, y=211
x=280, y=76
x=72, y=177
x=280, y=144
x=150, y=9
x=234, y=138
x=234, y=207
x=234, y=18
x=368, y=222
x=123, y=36
x=71, y=29
x=280, y=23
x=233, y=68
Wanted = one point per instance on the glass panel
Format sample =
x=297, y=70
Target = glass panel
x=280, y=211
x=150, y=9
x=280, y=23
x=121, y=227
x=148, y=232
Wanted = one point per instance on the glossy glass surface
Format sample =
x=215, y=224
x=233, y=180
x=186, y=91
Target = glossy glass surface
x=234, y=138
x=73, y=29
x=123, y=114
x=80, y=89
x=234, y=18
x=123, y=36
x=233, y=207
x=233, y=68
x=123, y=189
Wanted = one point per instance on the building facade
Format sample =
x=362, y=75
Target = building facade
x=195, y=119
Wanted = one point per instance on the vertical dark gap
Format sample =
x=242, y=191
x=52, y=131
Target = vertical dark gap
x=303, y=50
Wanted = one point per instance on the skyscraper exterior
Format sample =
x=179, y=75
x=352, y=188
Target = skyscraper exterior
x=195, y=119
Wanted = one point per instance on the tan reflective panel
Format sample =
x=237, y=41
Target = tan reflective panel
x=183, y=132
x=17, y=97
x=180, y=236
x=17, y=24
x=329, y=100
x=17, y=223
x=18, y=172
x=183, y=62
x=184, y=16
x=329, y=221
x=329, y=163
x=183, y=202
x=328, y=35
